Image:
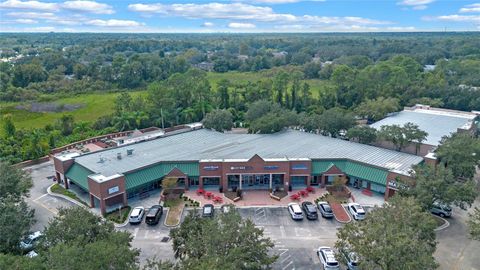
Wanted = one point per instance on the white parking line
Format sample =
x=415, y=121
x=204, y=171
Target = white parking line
x=291, y=262
x=282, y=231
x=134, y=234
x=40, y=197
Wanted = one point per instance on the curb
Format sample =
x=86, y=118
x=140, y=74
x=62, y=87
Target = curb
x=121, y=225
x=179, y=220
x=49, y=191
x=444, y=226
x=349, y=217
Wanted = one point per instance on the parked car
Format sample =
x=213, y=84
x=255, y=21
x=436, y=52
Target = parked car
x=441, y=209
x=357, y=211
x=208, y=210
x=295, y=211
x=310, y=210
x=153, y=215
x=136, y=215
x=327, y=258
x=351, y=258
x=31, y=241
x=325, y=209
x=226, y=208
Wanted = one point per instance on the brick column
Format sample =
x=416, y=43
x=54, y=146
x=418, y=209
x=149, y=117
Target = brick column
x=66, y=183
x=103, y=207
x=322, y=183
x=309, y=180
x=92, y=201
x=125, y=201
x=200, y=182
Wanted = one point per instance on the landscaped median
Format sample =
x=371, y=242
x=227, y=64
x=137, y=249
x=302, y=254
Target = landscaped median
x=340, y=213
x=58, y=189
x=175, y=210
x=118, y=216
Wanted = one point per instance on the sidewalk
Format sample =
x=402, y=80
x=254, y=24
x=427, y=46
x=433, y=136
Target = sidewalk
x=255, y=198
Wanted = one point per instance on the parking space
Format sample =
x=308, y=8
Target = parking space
x=295, y=241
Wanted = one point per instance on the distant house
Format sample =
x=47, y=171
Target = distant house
x=281, y=54
x=242, y=57
x=429, y=68
x=207, y=66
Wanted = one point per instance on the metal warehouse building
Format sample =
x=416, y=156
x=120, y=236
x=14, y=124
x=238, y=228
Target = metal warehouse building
x=220, y=161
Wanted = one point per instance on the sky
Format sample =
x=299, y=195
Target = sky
x=224, y=16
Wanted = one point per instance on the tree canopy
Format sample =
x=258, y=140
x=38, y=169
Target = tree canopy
x=224, y=242
x=219, y=120
x=439, y=184
x=400, y=235
x=461, y=153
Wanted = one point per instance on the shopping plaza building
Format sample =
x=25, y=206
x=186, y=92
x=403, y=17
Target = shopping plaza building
x=201, y=158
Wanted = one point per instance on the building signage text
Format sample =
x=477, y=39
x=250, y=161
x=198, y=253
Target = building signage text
x=243, y=168
x=210, y=168
x=270, y=167
x=113, y=189
x=299, y=167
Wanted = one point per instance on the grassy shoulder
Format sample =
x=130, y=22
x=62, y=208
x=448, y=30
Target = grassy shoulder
x=118, y=216
x=175, y=211
x=56, y=188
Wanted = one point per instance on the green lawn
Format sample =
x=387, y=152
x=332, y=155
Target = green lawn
x=100, y=104
x=94, y=106
x=317, y=86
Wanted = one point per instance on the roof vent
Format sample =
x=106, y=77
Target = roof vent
x=129, y=152
x=102, y=159
x=119, y=155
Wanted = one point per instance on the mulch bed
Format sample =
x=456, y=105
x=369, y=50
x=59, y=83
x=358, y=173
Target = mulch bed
x=230, y=194
x=280, y=194
x=340, y=213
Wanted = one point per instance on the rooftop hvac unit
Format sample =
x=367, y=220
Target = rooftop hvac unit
x=119, y=155
x=129, y=152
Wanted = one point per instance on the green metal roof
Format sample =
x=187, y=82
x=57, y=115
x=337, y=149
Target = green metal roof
x=78, y=174
x=351, y=168
x=321, y=166
x=375, y=175
x=158, y=171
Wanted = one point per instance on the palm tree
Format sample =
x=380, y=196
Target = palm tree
x=123, y=121
x=188, y=114
x=139, y=117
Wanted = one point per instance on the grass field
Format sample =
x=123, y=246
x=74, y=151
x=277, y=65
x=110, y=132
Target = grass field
x=100, y=104
x=94, y=106
x=316, y=86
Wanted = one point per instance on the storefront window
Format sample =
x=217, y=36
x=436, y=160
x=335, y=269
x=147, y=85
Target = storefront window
x=298, y=181
x=315, y=180
x=233, y=181
x=211, y=181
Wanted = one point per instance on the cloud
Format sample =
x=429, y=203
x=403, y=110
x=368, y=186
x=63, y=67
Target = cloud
x=416, y=4
x=234, y=11
x=29, y=5
x=273, y=2
x=241, y=25
x=207, y=24
x=246, y=12
x=26, y=21
x=88, y=6
x=76, y=5
x=457, y=18
x=40, y=29
x=113, y=23
x=401, y=28
x=473, y=8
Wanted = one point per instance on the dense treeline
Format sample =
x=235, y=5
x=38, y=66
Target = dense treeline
x=362, y=76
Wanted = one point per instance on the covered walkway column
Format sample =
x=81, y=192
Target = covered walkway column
x=271, y=181
x=240, y=181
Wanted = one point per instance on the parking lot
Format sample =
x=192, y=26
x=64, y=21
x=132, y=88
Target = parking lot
x=295, y=241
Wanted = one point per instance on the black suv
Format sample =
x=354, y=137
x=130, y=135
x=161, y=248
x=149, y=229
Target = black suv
x=310, y=210
x=154, y=214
